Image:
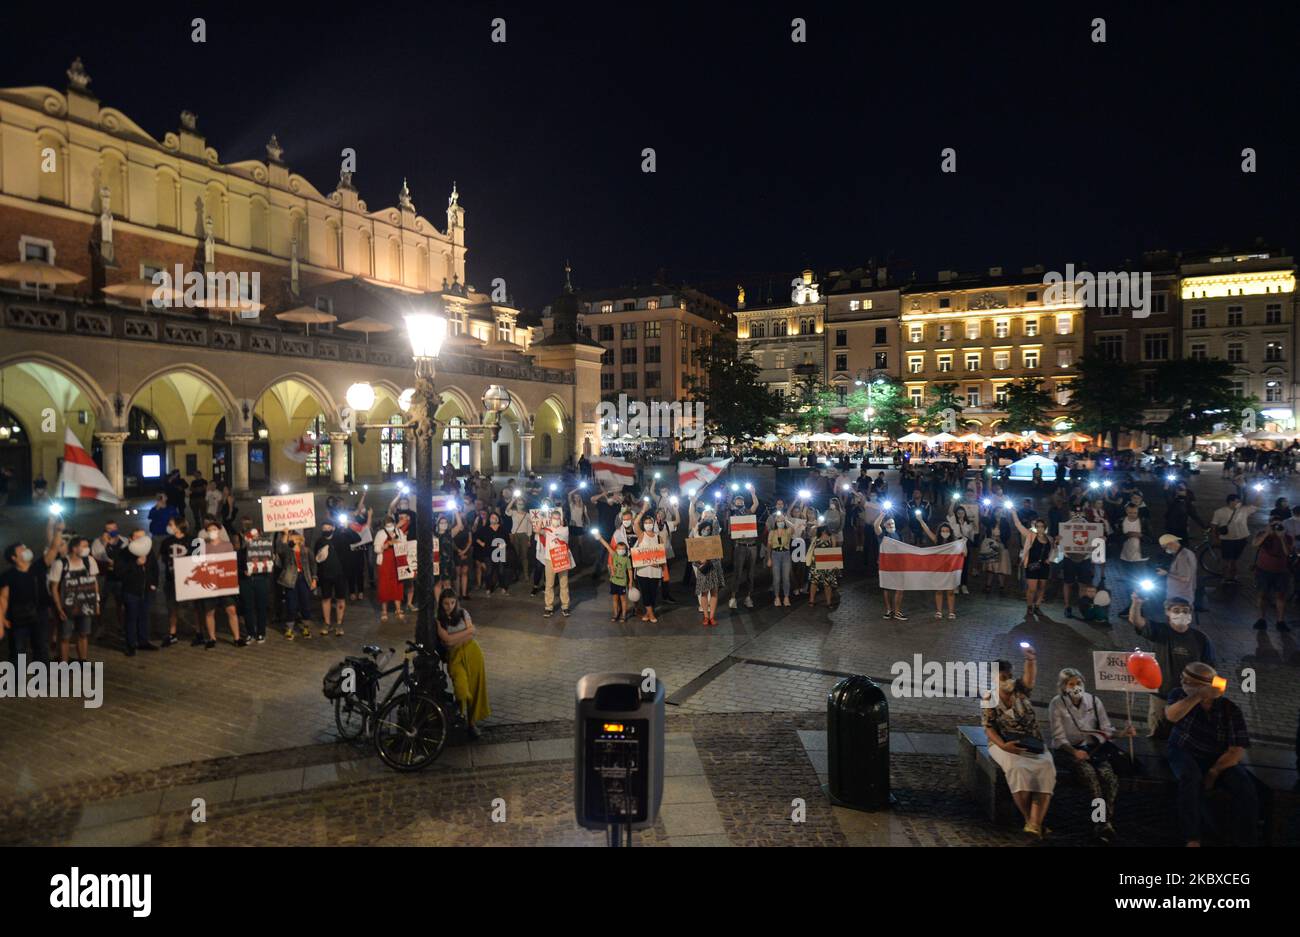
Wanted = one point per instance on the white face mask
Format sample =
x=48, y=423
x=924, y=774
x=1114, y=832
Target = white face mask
x=1075, y=692
x=390, y=528
x=214, y=535
x=1180, y=621
x=83, y=551
x=25, y=555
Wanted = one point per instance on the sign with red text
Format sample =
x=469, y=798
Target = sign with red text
x=404, y=555
x=288, y=512
x=206, y=576
x=561, y=558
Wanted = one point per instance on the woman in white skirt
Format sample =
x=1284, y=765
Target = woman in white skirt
x=1016, y=744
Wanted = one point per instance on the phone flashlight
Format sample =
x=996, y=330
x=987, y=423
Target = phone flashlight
x=735, y=487
x=56, y=508
x=956, y=496
x=657, y=475
x=1170, y=478
x=552, y=488
x=673, y=500
x=887, y=505
x=821, y=519
x=284, y=489
x=1259, y=487
x=1007, y=504
x=749, y=486
x=596, y=533
x=1025, y=644
x=518, y=492
x=987, y=501
x=803, y=493
x=342, y=519
x=1147, y=585
x=646, y=499
x=582, y=484
x=717, y=495
x=365, y=487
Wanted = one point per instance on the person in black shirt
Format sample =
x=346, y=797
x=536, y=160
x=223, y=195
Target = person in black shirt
x=198, y=499
x=175, y=545
x=138, y=572
x=19, y=589
x=331, y=575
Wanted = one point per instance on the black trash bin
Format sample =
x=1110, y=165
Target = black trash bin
x=857, y=742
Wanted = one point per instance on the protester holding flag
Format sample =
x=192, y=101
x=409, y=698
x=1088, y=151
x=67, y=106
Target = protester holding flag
x=360, y=551
x=945, y=535
x=390, y=587
x=886, y=528
x=80, y=477
x=744, y=549
x=819, y=576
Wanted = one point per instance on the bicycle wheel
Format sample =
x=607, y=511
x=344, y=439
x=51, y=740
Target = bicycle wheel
x=410, y=732
x=349, y=717
x=1211, y=560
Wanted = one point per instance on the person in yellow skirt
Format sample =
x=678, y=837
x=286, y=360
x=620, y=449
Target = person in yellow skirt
x=464, y=660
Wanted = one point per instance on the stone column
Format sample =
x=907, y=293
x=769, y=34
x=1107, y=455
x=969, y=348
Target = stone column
x=111, y=444
x=239, y=461
x=525, y=453
x=476, y=450
x=338, y=458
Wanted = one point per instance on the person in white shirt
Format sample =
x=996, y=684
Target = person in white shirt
x=556, y=532
x=1230, y=524
x=1081, y=742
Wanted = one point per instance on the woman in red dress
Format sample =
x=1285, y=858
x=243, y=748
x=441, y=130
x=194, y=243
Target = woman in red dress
x=390, y=587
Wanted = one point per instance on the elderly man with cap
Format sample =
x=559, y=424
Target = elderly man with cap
x=1206, y=746
x=1177, y=644
x=1180, y=577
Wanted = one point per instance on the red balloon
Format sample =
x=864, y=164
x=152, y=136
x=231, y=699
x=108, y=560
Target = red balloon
x=1145, y=669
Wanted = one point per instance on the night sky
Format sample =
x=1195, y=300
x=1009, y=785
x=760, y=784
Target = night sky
x=771, y=155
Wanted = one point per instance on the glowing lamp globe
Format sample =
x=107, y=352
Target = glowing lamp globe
x=361, y=397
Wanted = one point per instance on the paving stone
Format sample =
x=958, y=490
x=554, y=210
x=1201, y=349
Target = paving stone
x=550, y=749
x=213, y=792
x=705, y=840
x=680, y=763
x=687, y=789
x=926, y=743
x=691, y=819
x=134, y=832
x=133, y=806
x=268, y=784
x=507, y=753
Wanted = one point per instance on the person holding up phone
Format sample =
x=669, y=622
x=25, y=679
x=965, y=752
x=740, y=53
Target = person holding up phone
x=1177, y=644
x=1273, y=548
x=1016, y=743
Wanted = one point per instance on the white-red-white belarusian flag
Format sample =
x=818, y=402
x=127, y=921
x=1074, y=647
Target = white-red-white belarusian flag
x=905, y=567
x=613, y=473
x=299, y=449
x=697, y=475
x=81, y=477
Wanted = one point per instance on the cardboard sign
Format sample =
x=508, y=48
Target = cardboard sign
x=700, y=549
x=827, y=558
x=363, y=531
x=259, y=557
x=648, y=556
x=288, y=512
x=743, y=526
x=561, y=558
x=1078, y=537
x=404, y=554
x=206, y=576
x=1110, y=672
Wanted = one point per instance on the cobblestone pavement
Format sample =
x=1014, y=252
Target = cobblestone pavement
x=741, y=691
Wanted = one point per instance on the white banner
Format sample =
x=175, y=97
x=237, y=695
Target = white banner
x=1110, y=672
x=288, y=512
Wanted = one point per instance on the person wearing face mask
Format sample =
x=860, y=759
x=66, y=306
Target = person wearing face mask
x=297, y=564
x=400, y=510
x=256, y=558
x=744, y=551
x=331, y=553
x=967, y=528
x=709, y=577
x=820, y=578
x=103, y=550
x=556, y=533
x=175, y=545
x=390, y=587
x=1206, y=745
x=139, y=575
x=649, y=576
x=19, y=621
x=1273, y=549
x=160, y=517
x=886, y=528
x=1076, y=567
x=1176, y=644
x=1035, y=558
x=1081, y=742
x=1180, y=576
x=492, y=539
x=74, y=585
x=945, y=535
x=620, y=568
x=778, y=558
x=1016, y=744
x=215, y=541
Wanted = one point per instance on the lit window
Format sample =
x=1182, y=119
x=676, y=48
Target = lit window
x=606, y=307
x=945, y=332
x=652, y=303
x=972, y=361
x=1064, y=357
x=1002, y=328
x=1064, y=323
x=973, y=329
x=1273, y=351
x=1031, y=357
x=915, y=333
x=854, y=305
x=916, y=396
x=945, y=363
x=915, y=364
x=973, y=396
x=1273, y=392
x=653, y=329
x=1001, y=360
x=1031, y=327
x=392, y=447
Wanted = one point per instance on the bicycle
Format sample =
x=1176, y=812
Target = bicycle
x=1209, y=557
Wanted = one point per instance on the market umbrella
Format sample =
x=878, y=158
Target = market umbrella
x=1006, y=437
x=142, y=290
x=39, y=273
x=943, y=438
x=799, y=438
x=1267, y=436
x=971, y=437
x=307, y=315
x=914, y=437
x=848, y=437
x=366, y=325
x=230, y=306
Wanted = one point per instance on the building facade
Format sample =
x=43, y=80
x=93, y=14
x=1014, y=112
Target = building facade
x=862, y=328
x=786, y=340
x=85, y=189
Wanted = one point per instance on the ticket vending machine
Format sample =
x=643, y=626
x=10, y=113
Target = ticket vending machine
x=619, y=752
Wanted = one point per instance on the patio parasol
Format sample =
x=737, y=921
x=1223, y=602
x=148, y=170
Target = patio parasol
x=307, y=315
x=38, y=272
x=366, y=325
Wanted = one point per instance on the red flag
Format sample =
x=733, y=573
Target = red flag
x=614, y=472
x=81, y=477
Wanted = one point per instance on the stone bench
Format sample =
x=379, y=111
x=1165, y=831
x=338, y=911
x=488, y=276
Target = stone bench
x=1273, y=769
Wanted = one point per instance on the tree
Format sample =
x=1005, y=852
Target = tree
x=737, y=405
x=1106, y=398
x=889, y=404
x=942, y=397
x=1027, y=405
x=1199, y=395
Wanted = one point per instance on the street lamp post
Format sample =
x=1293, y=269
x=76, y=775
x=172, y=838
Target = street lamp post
x=426, y=332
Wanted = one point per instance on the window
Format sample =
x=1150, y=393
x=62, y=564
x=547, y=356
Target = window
x=1062, y=395
x=853, y=305
x=607, y=357
x=1273, y=392
x=945, y=303
x=628, y=331
x=778, y=360
x=1000, y=395
x=606, y=307
x=945, y=363
x=973, y=396
x=652, y=353
x=1155, y=347
x=505, y=332
x=1064, y=357
x=607, y=333
x=915, y=393
x=1111, y=312
x=318, y=456
x=652, y=329
x=1198, y=318
x=607, y=382
x=651, y=379
x=1031, y=327
x=973, y=329
x=882, y=359
x=1149, y=389
x=37, y=249
x=945, y=332
x=866, y=303
x=1234, y=315
x=629, y=355
x=881, y=336
x=841, y=393
x=652, y=303
x=392, y=449
x=681, y=331
x=1001, y=360
x=1236, y=352
x=757, y=329
x=1159, y=302
x=629, y=380
x=1031, y=357
x=1064, y=323
x=841, y=338
x=1001, y=328
x=1031, y=296
x=758, y=360
x=325, y=304
x=629, y=305
x=684, y=354
x=841, y=362
x=1111, y=347
x=780, y=394
x=1273, y=351
x=1239, y=388
x=1199, y=351
x=455, y=444
x=972, y=361
x=915, y=333
x=1273, y=314
x=780, y=328
x=807, y=326
x=915, y=364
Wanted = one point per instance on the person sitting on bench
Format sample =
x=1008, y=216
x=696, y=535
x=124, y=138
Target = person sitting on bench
x=1206, y=746
x=1016, y=744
